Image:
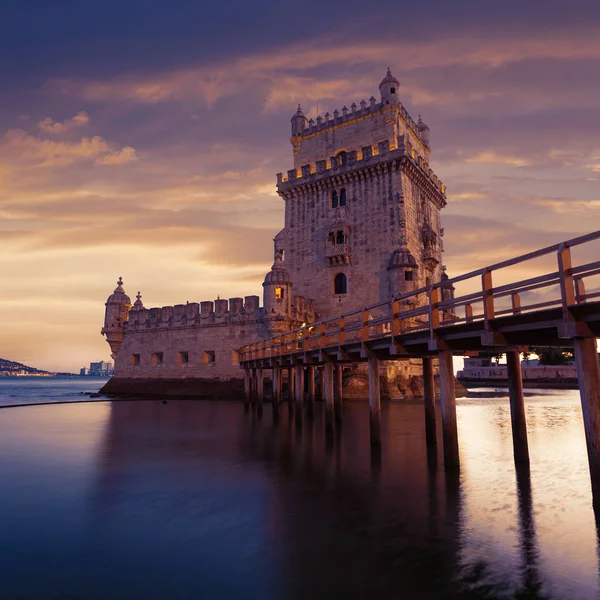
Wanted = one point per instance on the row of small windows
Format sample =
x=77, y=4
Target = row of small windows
x=338, y=198
x=182, y=358
x=336, y=238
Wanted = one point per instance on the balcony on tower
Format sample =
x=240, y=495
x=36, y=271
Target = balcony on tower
x=337, y=248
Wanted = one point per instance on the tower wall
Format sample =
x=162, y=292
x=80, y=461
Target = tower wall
x=393, y=200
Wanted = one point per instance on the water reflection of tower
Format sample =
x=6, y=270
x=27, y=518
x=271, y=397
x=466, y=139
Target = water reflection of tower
x=344, y=532
x=140, y=434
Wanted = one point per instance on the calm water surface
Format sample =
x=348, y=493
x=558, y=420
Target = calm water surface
x=139, y=499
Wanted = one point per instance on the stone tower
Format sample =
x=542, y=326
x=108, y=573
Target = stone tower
x=362, y=205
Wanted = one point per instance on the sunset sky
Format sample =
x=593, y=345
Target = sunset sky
x=142, y=139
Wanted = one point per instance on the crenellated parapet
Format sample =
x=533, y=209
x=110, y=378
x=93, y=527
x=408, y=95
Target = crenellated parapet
x=359, y=112
x=214, y=313
x=352, y=163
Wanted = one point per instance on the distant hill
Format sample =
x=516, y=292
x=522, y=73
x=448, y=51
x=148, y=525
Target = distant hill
x=9, y=367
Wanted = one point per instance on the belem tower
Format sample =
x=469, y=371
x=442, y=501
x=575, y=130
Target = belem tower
x=362, y=224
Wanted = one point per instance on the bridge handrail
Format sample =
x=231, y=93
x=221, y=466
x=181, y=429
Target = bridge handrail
x=440, y=311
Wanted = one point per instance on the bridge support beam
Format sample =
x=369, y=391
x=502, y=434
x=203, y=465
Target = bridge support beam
x=588, y=376
x=247, y=386
x=448, y=402
x=328, y=389
x=310, y=373
x=517, y=407
x=374, y=401
x=338, y=393
x=429, y=397
x=260, y=389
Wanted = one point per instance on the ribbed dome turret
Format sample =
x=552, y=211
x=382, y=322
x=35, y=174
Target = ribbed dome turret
x=389, y=89
x=277, y=276
x=119, y=296
x=389, y=79
x=299, y=122
x=423, y=131
x=402, y=258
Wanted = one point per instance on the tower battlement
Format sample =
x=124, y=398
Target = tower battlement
x=366, y=157
x=357, y=127
x=356, y=113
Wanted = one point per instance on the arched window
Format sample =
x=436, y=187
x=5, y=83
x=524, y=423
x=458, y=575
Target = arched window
x=331, y=238
x=334, y=199
x=340, y=284
x=343, y=158
x=340, y=238
x=343, y=197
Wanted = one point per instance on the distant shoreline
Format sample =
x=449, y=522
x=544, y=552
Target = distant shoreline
x=546, y=384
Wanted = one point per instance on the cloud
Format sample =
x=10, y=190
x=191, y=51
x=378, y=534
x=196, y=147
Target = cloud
x=493, y=157
x=18, y=148
x=124, y=155
x=295, y=72
x=48, y=125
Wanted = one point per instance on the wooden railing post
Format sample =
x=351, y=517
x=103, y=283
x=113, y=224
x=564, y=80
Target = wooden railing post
x=434, y=312
x=487, y=296
x=468, y=313
x=322, y=330
x=396, y=321
x=579, y=290
x=342, y=332
x=516, y=303
x=567, y=289
x=365, y=325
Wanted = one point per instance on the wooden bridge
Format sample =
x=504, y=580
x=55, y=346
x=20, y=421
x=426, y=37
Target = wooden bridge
x=490, y=309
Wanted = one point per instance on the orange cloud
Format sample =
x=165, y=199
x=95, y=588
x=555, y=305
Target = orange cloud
x=494, y=157
x=124, y=155
x=48, y=125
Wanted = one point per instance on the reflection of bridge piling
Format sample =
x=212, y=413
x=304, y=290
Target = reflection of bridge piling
x=427, y=324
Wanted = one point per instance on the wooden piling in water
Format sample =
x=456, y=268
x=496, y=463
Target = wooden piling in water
x=374, y=401
x=328, y=388
x=588, y=376
x=429, y=398
x=517, y=407
x=448, y=402
x=338, y=393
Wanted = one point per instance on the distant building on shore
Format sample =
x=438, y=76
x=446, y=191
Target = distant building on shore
x=97, y=369
x=485, y=371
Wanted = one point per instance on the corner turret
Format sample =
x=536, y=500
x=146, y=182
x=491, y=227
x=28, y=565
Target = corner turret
x=423, y=131
x=277, y=289
x=389, y=89
x=299, y=122
x=402, y=272
x=116, y=315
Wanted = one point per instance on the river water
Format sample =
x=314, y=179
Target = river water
x=140, y=499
